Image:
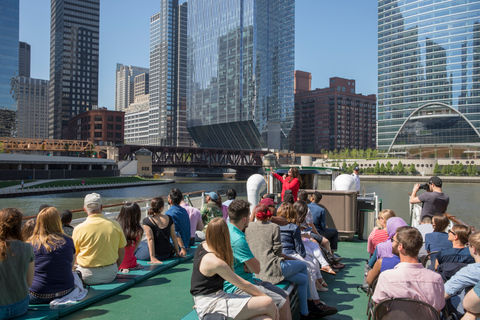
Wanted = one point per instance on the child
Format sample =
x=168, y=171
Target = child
x=66, y=217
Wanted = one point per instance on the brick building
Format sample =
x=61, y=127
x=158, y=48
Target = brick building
x=102, y=126
x=333, y=118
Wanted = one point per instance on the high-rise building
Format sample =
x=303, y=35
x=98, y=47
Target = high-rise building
x=74, y=45
x=428, y=76
x=136, y=121
x=303, y=81
x=141, y=85
x=163, y=71
x=333, y=118
x=9, y=35
x=32, y=108
x=240, y=68
x=125, y=85
x=24, y=52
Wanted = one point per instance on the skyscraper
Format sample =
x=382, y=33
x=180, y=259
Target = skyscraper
x=24, y=59
x=9, y=35
x=74, y=44
x=163, y=74
x=125, y=85
x=32, y=108
x=428, y=75
x=240, y=73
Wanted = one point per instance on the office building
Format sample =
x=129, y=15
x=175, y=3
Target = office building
x=428, y=77
x=101, y=126
x=9, y=35
x=240, y=67
x=125, y=85
x=303, y=81
x=136, y=121
x=74, y=45
x=333, y=118
x=141, y=84
x=24, y=52
x=32, y=108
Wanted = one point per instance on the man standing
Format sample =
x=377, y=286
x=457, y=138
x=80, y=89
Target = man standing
x=99, y=243
x=409, y=279
x=355, y=175
x=180, y=219
x=434, y=201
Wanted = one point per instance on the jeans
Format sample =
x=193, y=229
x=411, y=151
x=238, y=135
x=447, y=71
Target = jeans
x=142, y=253
x=14, y=310
x=296, y=272
x=332, y=236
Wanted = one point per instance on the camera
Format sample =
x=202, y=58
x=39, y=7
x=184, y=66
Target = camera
x=424, y=186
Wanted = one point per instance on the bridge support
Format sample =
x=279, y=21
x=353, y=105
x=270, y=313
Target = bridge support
x=245, y=173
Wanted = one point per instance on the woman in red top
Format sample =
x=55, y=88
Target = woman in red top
x=129, y=220
x=290, y=181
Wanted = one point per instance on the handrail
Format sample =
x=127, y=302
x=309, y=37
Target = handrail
x=118, y=204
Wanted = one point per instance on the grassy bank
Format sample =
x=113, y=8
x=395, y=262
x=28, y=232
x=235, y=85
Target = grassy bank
x=6, y=184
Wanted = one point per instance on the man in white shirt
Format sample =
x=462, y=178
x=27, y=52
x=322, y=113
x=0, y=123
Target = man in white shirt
x=355, y=175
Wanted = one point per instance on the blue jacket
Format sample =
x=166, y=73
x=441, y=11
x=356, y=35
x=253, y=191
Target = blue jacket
x=292, y=240
x=318, y=214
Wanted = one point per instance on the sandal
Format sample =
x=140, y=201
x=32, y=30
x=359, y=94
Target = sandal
x=137, y=267
x=322, y=282
x=329, y=270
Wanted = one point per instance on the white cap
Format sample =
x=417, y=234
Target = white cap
x=93, y=201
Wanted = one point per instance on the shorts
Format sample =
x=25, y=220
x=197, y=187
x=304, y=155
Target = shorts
x=220, y=302
x=278, y=295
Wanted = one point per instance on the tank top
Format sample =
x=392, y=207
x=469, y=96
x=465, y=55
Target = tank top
x=200, y=284
x=161, y=237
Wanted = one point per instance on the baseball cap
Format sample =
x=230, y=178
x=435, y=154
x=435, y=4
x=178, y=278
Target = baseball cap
x=213, y=195
x=93, y=201
x=356, y=169
x=436, y=181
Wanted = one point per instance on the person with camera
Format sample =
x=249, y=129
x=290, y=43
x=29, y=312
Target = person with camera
x=434, y=201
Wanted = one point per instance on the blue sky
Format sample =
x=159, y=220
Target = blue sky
x=332, y=38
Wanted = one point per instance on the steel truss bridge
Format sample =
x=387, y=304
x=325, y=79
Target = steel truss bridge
x=198, y=157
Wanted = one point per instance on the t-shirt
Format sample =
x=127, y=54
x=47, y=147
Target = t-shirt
x=182, y=223
x=194, y=215
x=53, y=270
x=13, y=273
x=433, y=203
x=241, y=254
x=97, y=241
x=455, y=255
x=437, y=241
x=161, y=237
x=129, y=259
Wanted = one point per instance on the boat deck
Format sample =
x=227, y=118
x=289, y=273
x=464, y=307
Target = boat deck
x=166, y=296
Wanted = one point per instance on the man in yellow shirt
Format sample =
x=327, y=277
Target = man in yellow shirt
x=99, y=244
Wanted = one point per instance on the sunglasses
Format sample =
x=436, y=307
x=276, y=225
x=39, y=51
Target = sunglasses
x=452, y=232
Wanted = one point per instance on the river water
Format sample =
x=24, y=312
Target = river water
x=464, y=197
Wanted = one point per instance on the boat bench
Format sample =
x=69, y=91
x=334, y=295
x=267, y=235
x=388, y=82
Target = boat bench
x=285, y=285
x=99, y=292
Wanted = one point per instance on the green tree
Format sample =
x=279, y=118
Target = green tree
x=377, y=168
x=375, y=153
x=368, y=153
x=383, y=169
x=474, y=171
x=436, y=169
x=400, y=168
x=344, y=167
x=354, y=153
x=458, y=169
x=361, y=153
x=412, y=169
x=388, y=168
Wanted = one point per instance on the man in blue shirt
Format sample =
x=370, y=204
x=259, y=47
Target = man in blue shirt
x=319, y=214
x=180, y=219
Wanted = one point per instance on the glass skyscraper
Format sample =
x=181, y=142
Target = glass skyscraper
x=428, y=74
x=240, y=73
x=9, y=35
x=74, y=45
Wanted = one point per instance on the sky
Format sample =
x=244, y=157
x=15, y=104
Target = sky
x=333, y=38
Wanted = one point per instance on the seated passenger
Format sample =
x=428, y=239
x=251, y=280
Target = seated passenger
x=210, y=209
x=264, y=239
x=458, y=236
x=379, y=233
x=384, y=249
x=384, y=264
x=211, y=267
x=180, y=219
x=28, y=227
x=16, y=265
x=66, y=217
x=319, y=216
x=231, y=195
x=159, y=229
x=471, y=303
x=54, y=258
x=129, y=220
x=99, y=243
x=468, y=276
x=438, y=239
x=222, y=207
x=410, y=279
x=196, y=223
x=424, y=227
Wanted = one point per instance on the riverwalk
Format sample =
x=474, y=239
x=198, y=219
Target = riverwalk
x=418, y=179
x=31, y=189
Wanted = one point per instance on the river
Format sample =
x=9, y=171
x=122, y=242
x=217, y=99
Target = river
x=464, y=198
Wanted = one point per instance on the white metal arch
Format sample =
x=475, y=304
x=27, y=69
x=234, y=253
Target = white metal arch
x=429, y=105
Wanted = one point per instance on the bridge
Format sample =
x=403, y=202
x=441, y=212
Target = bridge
x=198, y=157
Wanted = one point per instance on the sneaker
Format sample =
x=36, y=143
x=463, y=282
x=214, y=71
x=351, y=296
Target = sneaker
x=336, y=258
x=327, y=309
x=314, y=311
x=322, y=289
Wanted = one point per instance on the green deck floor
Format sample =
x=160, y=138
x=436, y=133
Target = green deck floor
x=167, y=297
